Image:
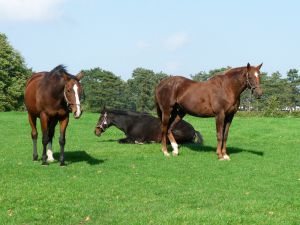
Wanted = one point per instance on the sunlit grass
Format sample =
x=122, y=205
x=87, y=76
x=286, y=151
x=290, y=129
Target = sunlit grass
x=108, y=183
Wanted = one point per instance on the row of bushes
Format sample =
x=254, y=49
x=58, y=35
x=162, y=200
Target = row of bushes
x=268, y=114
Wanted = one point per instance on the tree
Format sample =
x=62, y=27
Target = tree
x=293, y=88
x=13, y=76
x=203, y=76
x=141, y=88
x=103, y=88
x=293, y=76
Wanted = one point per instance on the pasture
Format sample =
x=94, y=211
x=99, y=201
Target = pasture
x=108, y=183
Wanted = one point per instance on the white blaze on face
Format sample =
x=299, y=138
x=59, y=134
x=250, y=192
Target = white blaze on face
x=256, y=74
x=78, y=112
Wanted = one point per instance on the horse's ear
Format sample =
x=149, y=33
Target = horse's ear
x=259, y=66
x=248, y=66
x=80, y=75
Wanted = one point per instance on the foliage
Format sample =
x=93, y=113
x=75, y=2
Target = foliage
x=141, y=88
x=13, y=76
x=204, y=76
x=109, y=183
x=103, y=88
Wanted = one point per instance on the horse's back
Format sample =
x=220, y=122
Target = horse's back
x=173, y=82
x=171, y=87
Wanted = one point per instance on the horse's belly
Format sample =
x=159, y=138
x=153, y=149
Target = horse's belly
x=196, y=103
x=201, y=110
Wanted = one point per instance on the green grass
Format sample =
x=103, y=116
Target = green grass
x=108, y=183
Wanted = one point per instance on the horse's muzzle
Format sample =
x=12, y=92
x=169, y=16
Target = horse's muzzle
x=76, y=115
x=98, y=131
x=257, y=92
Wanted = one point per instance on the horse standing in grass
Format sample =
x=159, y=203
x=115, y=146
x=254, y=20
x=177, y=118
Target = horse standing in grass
x=218, y=97
x=51, y=96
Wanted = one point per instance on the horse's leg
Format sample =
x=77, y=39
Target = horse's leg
x=34, y=135
x=164, y=129
x=51, y=127
x=228, y=120
x=220, y=131
x=44, y=125
x=174, y=144
x=62, y=139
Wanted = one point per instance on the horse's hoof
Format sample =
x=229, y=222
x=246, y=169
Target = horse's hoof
x=62, y=164
x=35, y=158
x=50, y=159
x=166, y=154
x=175, y=153
x=49, y=156
x=45, y=163
x=226, y=157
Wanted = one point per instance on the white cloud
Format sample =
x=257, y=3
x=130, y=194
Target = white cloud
x=29, y=10
x=176, y=41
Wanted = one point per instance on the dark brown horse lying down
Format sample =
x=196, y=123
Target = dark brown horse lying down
x=143, y=128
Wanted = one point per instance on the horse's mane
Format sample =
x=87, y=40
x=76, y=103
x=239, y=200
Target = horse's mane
x=127, y=113
x=59, y=71
x=229, y=72
x=236, y=70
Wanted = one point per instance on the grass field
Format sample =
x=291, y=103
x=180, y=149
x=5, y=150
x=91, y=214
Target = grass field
x=108, y=183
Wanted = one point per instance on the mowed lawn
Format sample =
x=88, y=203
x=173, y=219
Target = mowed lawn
x=108, y=183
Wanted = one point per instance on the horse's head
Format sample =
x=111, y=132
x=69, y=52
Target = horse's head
x=104, y=122
x=252, y=76
x=72, y=93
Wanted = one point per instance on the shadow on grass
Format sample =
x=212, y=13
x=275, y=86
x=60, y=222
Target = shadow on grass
x=230, y=150
x=79, y=156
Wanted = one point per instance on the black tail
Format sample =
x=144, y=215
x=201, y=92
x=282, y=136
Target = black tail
x=198, y=138
x=159, y=113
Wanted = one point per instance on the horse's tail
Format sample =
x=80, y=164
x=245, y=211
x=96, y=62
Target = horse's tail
x=158, y=110
x=198, y=138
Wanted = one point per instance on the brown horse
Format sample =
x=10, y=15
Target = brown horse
x=218, y=97
x=51, y=96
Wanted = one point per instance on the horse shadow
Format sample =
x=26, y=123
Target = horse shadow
x=230, y=150
x=79, y=156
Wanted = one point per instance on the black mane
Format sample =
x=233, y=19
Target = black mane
x=59, y=71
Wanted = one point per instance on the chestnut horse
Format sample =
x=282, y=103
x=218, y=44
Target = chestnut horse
x=51, y=96
x=217, y=97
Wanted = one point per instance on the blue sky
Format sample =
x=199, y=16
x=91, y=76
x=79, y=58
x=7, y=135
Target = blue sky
x=176, y=37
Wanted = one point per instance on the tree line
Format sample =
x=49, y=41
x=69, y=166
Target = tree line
x=104, y=88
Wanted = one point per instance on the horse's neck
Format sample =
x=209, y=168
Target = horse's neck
x=54, y=86
x=238, y=84
x=122, y=122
